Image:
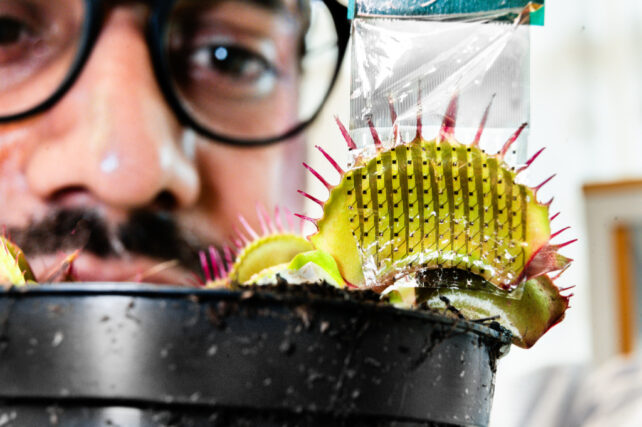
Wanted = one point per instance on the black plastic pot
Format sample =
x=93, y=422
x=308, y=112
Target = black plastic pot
x=142, y=355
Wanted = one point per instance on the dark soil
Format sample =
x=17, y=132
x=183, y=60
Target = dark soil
x=324, y=291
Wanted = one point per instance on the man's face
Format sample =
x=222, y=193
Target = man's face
x=110, y=170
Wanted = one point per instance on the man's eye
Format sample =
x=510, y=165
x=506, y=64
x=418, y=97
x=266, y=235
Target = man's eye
x=233, y=61
x=11, y=31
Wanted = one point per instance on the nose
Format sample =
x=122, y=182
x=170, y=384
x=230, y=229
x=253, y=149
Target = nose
x=113, y=136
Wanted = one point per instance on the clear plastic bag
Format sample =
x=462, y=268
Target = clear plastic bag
x=402, y=60
x=412, y=67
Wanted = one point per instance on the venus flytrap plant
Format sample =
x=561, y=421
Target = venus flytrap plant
x=437, y=203
x=14, y=268
x=258, y=256
x=426, y=223
x=16, y=271
x=442, y=206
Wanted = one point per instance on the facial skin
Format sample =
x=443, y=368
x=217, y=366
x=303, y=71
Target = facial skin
x=112, y=149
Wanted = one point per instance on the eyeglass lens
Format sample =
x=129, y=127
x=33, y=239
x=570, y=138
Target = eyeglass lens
x=244, y=69
x=39, y=41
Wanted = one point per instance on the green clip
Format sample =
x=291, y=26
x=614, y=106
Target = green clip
x=537, y=17
x=351, y=9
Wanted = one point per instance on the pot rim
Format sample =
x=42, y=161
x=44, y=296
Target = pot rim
x=132, y=289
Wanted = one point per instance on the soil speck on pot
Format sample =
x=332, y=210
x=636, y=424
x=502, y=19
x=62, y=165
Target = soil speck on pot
x=372, y=362
x=287, y=347
x=324, y=326
x=212, y=350
x=57, y=339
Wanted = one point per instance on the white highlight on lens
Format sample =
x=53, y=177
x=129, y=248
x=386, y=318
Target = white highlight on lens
x=221, y=53
x=110, y=163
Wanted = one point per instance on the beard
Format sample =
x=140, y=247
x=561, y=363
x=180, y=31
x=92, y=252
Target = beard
x=153, y=235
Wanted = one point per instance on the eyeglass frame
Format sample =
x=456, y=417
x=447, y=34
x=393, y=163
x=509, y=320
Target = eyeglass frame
x=161, y=11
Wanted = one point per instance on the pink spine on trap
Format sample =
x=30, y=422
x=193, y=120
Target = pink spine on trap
x=318, y=176
x=482, y=124
x=289, y=218
x=543, y=183
x=450, y=119
x=217, y=265
x=264, y=219
x=554, y=216
x=346, y=134
x=393, y=112
x=393, y=119
x=205, y=266
x=247, y=227
x=334, y=164
x=559, y=274
x=396, y=137
x=240, y=235
x=567, y=288
x=238, y=243
x=375, y=134
x=557, y=233
x=277, y=219
x=229, y=260
x=314, y=199
x=561, y=245
x=531, y=160
x=511, y=140
x=307, y=218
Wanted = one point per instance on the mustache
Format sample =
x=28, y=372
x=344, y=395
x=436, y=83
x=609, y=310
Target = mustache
x=155, y=235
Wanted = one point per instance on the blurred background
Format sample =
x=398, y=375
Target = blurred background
x=586, y=95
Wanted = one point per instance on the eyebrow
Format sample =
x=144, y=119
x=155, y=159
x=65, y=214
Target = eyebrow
x=269, y=4
x=273, y=5
x=296, y=9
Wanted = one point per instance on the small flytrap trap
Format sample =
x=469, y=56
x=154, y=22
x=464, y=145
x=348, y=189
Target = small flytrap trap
x=432, y=255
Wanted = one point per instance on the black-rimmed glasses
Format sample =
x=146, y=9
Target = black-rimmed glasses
x=245, y=72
